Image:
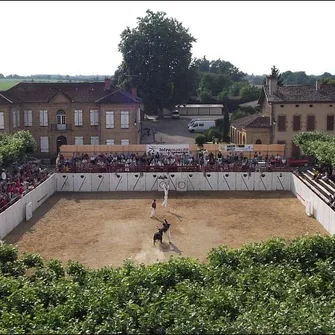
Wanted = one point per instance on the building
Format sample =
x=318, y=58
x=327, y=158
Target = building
x=197, y=110
x=71, y=113
x=286, y=111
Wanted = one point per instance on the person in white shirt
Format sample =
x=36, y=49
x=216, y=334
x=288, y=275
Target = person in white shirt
x=166, y=193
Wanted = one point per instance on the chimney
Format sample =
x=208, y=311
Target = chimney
x=107, y=84
x=273, y=84
x=317, y=85
x=134, y=91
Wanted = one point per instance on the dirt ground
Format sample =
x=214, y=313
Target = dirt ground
x=103, y=229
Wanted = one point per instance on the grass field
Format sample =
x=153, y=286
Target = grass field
x=5, y=84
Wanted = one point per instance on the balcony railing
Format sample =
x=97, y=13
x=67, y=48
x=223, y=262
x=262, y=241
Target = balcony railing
x=61, y=127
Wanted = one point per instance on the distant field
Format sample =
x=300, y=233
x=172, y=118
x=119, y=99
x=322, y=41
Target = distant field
x=5, y=84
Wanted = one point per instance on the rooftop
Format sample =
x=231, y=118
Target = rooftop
x=252, y=121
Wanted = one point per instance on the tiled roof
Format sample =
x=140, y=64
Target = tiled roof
x=77, y=92
x=302, y=93
x=252, y=121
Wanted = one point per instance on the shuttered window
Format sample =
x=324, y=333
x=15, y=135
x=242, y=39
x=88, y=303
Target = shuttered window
x=124, y=142
x=124, y=119
x=94, y=118
x=2, y=120
x=79, y=140
x=110, y=142
x=330, y=122
x=28, y=118
x=282, y=123
x=296, y=123
x=43, y=118
x=295, y=151
x=310, y=122
x=44, y=140
x=109, y=119
x=78, y=118
x=94, y=140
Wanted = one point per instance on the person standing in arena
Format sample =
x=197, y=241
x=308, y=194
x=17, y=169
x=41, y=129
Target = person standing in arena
x=166, y=193
x=153, y=208
x=166, y=229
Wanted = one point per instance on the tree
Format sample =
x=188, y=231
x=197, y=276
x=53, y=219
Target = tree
x=275, y=74
x=157, y=58
x=250, y=93
x=226, y=124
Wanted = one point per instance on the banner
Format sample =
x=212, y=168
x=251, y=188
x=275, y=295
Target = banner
x=166, y=149
x=236, y=147
x=244, y=147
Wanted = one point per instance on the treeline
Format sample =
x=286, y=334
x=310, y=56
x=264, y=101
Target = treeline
x=273, y=287
x=293, y=78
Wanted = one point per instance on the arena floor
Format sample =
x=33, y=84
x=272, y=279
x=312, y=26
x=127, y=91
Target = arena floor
x=102, y=229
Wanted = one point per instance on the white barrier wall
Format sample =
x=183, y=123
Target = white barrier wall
x=316, y=206
x=178, y=181
x=16, y=213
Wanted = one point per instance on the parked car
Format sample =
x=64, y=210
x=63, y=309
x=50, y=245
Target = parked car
x=175, y=114
x=201, y=126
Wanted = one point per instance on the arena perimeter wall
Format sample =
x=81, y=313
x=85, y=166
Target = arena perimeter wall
x=179, y=181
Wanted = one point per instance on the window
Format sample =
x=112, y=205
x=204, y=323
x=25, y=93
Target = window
x=258, y=142
x=330, y=122
x=124, y=119
x=14, y=118
x=78, y=118
x=296, y=123
x=281, y=106
x=110, y=142
x=28, y=118
x=282, y=123
x=310, y=105
x=79, y=140
x=310, y=122
x=44, y=144
x=94, y=140
x=2, y=121
x=43, y=118
x=61, y=117
x=296, y=105
x=124, y=142
x=94, y=118
x=18, y=118
x=109, y=119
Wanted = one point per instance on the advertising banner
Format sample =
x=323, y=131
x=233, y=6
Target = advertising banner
x=167, y=149
x=236, y=147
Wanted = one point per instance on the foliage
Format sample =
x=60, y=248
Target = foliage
x=14, y=147
x=271, y=287
x=317, y=144
x=243, y=112
x=200, y=140
x=250, y=93
x=226, y=125
x=213, y=133
x=275, y=74
x=157, y=59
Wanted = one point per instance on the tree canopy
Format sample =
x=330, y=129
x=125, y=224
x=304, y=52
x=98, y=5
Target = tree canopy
x=157, y=60
x=14, y=147
x=317, y=144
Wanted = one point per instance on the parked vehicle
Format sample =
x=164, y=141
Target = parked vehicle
x=201, y=126
x=192, y=121
x=175, y=114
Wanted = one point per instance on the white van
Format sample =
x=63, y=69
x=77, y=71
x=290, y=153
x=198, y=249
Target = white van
x=200, y=126
x=192, y=121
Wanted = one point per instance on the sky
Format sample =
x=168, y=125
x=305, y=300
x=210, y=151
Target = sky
x=82, y=37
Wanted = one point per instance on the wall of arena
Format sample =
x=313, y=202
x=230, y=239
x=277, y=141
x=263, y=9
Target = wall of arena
x=179, y=181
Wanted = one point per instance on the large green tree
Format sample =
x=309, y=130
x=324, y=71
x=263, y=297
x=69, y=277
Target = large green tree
x=157, y=60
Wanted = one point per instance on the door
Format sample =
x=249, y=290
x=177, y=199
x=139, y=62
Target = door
x=60, y=141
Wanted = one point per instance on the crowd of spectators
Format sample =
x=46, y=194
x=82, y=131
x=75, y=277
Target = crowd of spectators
x=146, y=162
x=18, y=181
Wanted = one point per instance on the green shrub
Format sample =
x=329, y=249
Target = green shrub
x=200, y=140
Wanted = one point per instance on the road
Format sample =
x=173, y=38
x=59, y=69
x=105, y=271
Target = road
x=171, y=131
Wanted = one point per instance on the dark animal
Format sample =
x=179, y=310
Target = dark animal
x=158, y=236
